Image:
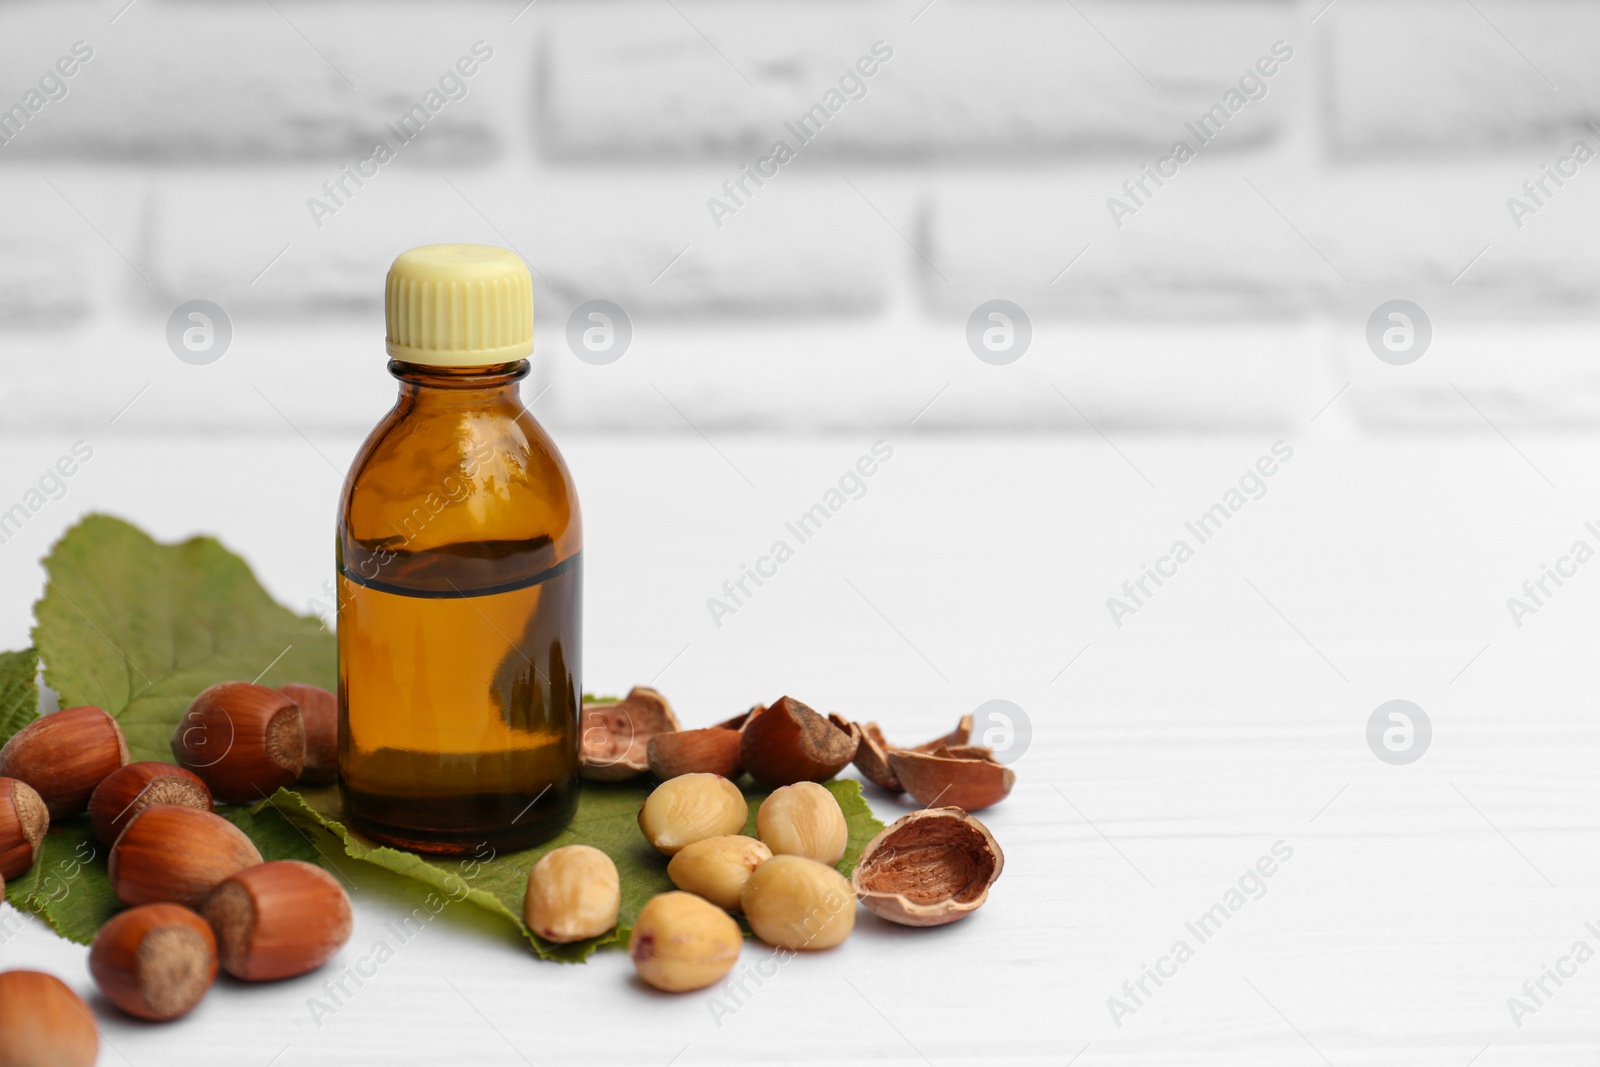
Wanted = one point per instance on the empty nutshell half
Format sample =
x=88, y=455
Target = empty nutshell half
x=872, y=758
x=615, y=742
x=928, y=868
x=964, y=777
x=961, y=735
x=872, y=754
x=710, y=751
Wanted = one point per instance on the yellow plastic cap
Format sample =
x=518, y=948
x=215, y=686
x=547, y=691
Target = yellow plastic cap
x=459, y=306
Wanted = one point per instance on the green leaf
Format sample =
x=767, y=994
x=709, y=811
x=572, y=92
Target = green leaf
x=67, y=886
x=607, y=818
x=140, y=628
x=19, y=695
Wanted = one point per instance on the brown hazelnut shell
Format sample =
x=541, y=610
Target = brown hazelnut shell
x=961, y=735
x=789, y=742
x=940, y=777
x=128, y=791
x=846, y=725
x=928, y=868
x=872, y=755
x=171, y=854
x=24, y=820
x=872, y=759
x=738, y=721
x=155, y=962
x=712, y=750
x=243, y=739
x=319, y=714
x=64, y=755
x=278, y=920
x=616, y=736
x=42, y=1021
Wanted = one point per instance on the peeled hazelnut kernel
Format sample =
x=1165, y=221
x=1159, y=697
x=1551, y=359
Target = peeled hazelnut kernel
x=718, y=868
x=278, y=920
x=170, y=854
x=710, y=751
x=574, y=893
x=680, y=942
x=43, y=1023
x=960, y=778
x=789, y=742
x=154, y=962
x=135, y=787
x=803, y=820
x=64, y=755
x=319, y=714
x=690, y=808
x=244, y=739
x=616, y=736
x=796, y=903
x=24, y=820
x=929, y=868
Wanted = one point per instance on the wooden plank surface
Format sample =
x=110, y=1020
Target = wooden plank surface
x=1167, y=756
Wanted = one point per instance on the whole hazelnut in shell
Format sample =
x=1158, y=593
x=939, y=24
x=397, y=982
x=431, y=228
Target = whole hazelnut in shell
x=243, y=739
x=135, y=787
x=278, y=920
x=24, y=820
x=172, y=854
x=155, y=962
x=928, y=868
x=319, y=714
x=64, y=755
x=43, y=1023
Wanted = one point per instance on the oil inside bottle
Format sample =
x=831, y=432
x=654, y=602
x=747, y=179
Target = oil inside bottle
x=460, y=693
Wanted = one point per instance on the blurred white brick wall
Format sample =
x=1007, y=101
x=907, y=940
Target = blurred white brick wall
x=970, y=154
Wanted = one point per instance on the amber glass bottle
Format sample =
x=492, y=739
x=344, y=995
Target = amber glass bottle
x=459, y=578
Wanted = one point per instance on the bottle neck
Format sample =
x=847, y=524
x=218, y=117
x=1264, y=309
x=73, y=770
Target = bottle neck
x=489, y=386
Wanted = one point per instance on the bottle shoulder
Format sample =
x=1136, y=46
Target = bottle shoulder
x=460, y=482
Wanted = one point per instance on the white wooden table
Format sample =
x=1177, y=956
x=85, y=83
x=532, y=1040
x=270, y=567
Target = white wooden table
x=1168, y=755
